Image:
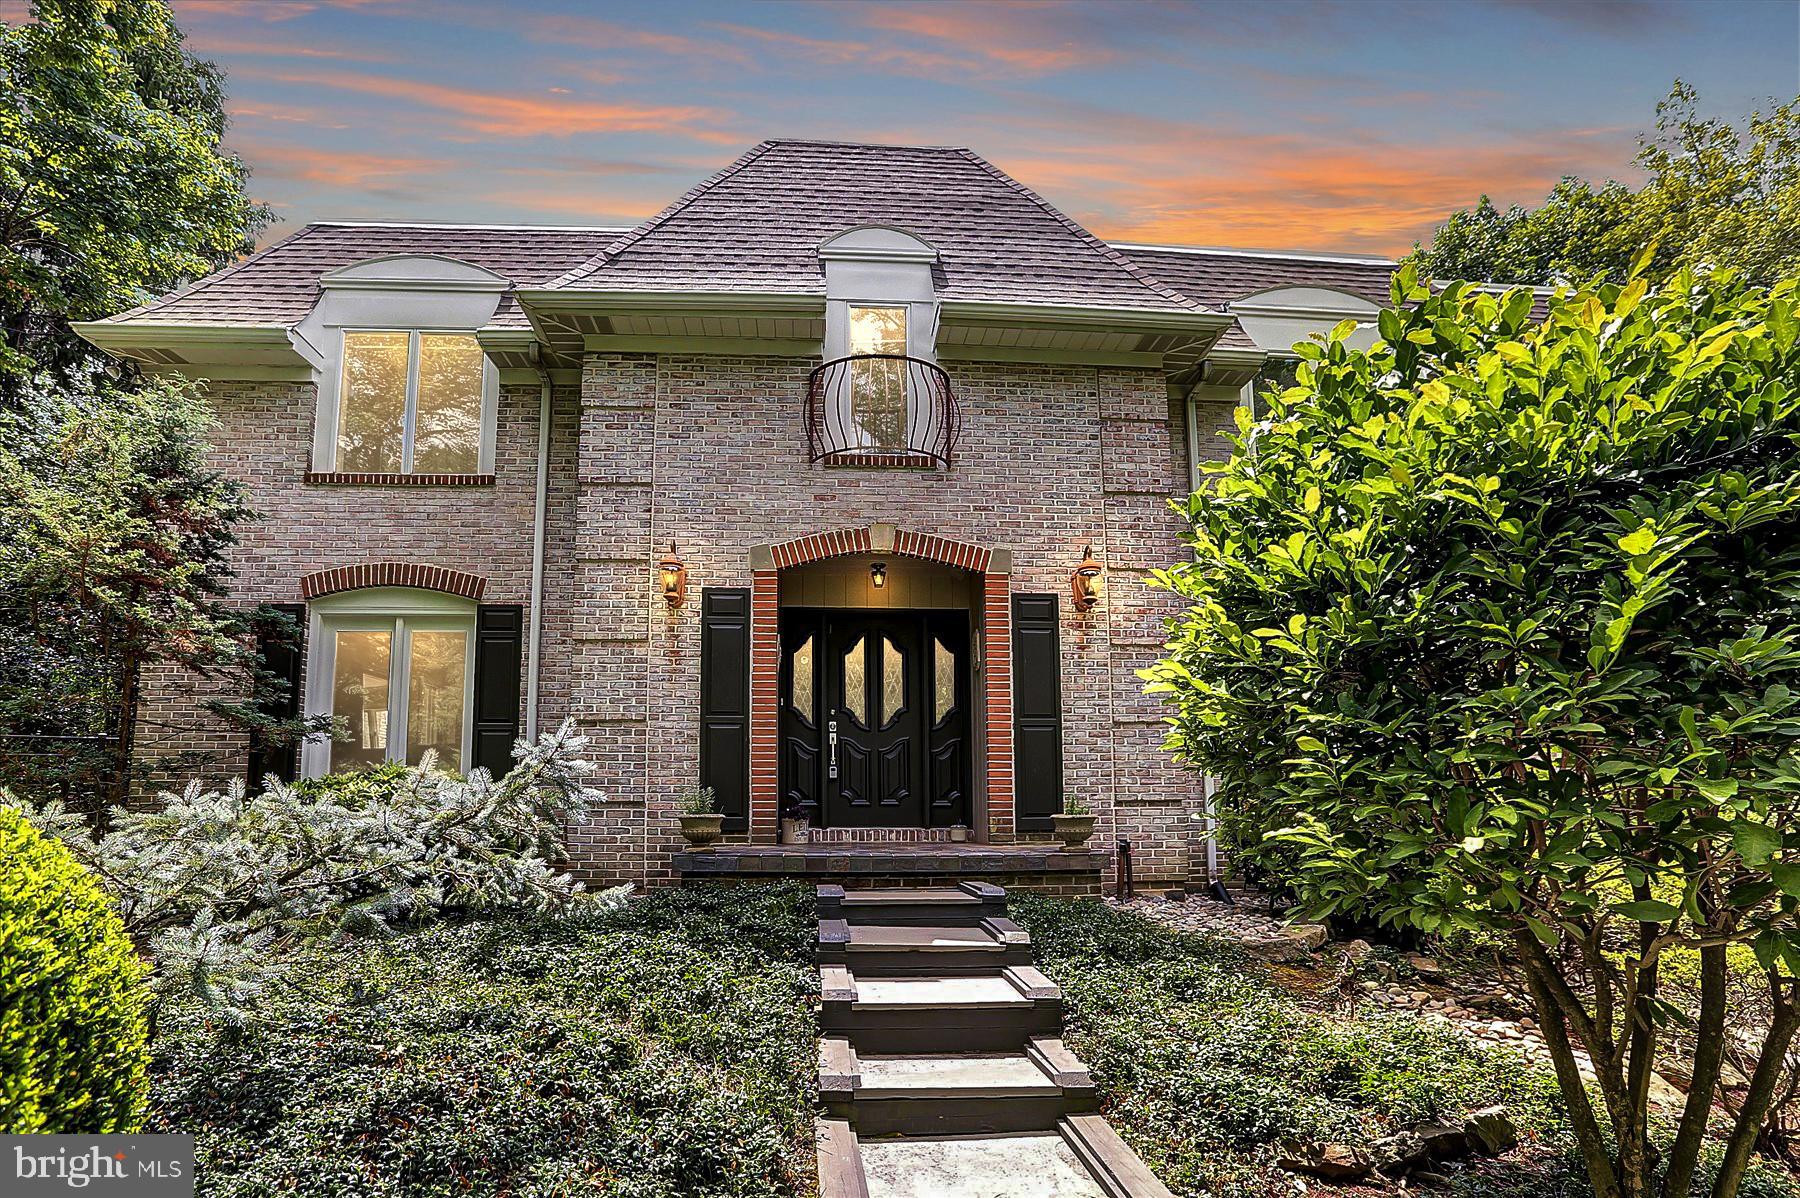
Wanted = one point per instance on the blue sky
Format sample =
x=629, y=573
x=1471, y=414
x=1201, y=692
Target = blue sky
x=1287, y=124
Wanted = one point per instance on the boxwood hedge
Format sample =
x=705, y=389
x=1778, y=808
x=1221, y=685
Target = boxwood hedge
x=72, y=994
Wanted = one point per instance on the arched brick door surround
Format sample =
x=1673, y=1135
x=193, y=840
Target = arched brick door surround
x=994, y=568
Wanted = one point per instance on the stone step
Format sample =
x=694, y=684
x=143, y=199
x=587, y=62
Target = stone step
x=953, y=1094
x=898, y=950
x=963, y=905
x=1077, y=1160
x=997, y=1011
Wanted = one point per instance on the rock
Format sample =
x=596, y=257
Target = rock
x=1420, y=997
x=1491, y=1130
x=1398, y=1152
x=1358, y=950
x=1310, y=935
x=1425, y=967
x=1275, y=948
x=1334, y=1162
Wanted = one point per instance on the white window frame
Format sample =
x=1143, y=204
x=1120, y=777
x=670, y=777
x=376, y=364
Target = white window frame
x=325, y=441
x=399, y=611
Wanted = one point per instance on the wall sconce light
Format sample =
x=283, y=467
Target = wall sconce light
x=1086, y=581
x=673, y=573
x=878, y=575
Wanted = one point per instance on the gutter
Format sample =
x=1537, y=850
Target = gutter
x=534, y=645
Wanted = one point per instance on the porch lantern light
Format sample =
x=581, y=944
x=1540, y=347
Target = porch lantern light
x=878, y=575
x=673, y=573
x=1087, y=581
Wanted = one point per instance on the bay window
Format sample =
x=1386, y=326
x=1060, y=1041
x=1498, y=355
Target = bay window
x=413, y=402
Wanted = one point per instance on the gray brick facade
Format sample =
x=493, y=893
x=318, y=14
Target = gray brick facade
x=709, y=452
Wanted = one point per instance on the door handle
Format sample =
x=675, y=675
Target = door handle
x=831, y=737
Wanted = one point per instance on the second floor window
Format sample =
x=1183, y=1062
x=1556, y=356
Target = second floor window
x=878, y=385
x=410, y=403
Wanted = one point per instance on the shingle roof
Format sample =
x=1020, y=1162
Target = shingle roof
x=279, y=285
x=757, y=225
x=1216, y=277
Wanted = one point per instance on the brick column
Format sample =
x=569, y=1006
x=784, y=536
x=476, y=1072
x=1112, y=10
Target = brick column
x=765, y=700
x=996, y=656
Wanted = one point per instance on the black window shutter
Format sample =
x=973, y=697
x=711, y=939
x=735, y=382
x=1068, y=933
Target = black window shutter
x=1037, y=712
x=282, y=658
x=725, y=701
x=499, y=637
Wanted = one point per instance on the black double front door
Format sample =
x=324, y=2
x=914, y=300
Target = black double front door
x=874, y=717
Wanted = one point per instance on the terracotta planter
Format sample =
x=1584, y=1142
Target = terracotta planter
x=702, y=830
x=1073, y=830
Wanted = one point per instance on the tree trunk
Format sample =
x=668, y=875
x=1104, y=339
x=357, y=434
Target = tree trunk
x=125, y=747
x=1709, y=1053
x=1588, y=1136
x=1770, y=1062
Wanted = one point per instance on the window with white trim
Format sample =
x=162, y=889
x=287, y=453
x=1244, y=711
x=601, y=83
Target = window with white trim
x=880, y=406
x=396, y=667
x=413, y=402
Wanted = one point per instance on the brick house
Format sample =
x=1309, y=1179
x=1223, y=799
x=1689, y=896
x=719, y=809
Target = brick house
x=834, y=486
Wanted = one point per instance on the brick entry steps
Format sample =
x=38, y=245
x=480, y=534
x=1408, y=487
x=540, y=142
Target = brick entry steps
x=942, y=1068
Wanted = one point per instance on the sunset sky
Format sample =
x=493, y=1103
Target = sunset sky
x=1300, y=124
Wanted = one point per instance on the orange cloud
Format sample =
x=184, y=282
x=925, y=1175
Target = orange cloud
x=384, y=174
x=1033, y=44
x=523, y=115
x=847, y=51
x=271, y=11
x=1295, y=192
x=204, y=43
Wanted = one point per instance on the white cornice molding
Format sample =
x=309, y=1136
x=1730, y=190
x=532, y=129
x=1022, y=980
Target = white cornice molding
x=1360, y=315
x=984, y=312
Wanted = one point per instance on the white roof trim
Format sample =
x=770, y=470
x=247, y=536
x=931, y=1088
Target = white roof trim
x=1229, y=252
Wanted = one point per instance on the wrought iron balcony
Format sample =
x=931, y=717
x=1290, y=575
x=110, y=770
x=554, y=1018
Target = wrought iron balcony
x=880, y=410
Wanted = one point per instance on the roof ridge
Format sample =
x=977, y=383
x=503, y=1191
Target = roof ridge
x=457, y=224
x=863, y=145
x=169, y=297
x=1106, y=251
x=638, y=232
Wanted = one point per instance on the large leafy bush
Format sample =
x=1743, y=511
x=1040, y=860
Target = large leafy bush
x=72, y=998
x=217, y=885
x=666, y=1050
x=1496, y=627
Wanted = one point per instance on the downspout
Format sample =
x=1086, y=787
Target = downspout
x=534, y=644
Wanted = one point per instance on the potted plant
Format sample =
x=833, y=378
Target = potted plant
x=701, y=821
x=959, y=833
x=1074, y=823
x=795, y=828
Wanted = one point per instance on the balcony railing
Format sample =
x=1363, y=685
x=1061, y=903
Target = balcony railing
x=880, y=410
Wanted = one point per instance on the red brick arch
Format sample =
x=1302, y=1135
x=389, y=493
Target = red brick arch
x=994, y=568
x=391, y=574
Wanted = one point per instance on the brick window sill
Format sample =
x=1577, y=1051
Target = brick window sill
x=343, y=478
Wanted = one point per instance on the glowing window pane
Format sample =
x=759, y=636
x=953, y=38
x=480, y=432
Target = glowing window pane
x=893, y=681
x=372, y=402
x=878, y=385
x=359, y=697
x=435, y=696
x=447, y=429
x=944, y=680
x=856, y=682
x=802, y=682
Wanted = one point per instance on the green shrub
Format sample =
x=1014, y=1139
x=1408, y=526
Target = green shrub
x=1206, y=1064
x=72, y=996
x=666, y=1050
